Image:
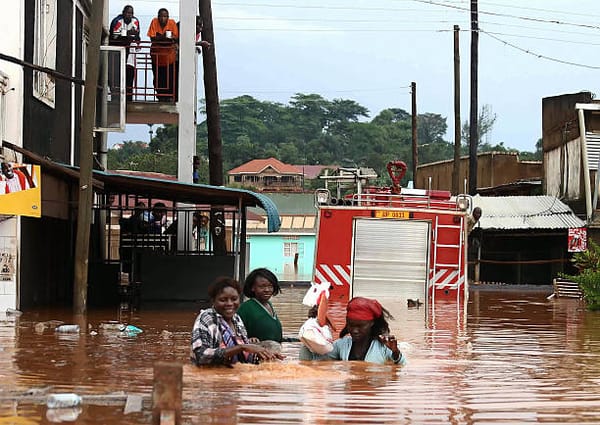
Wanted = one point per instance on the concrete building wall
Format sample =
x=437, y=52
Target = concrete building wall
x=493, y=169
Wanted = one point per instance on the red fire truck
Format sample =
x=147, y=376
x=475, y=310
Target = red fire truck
x=391, y=242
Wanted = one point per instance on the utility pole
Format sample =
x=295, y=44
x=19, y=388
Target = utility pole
x=457, y=135
x=211, y=92
x=213, y=122
x=86, y=190
x=473, y=124
x=415, y=153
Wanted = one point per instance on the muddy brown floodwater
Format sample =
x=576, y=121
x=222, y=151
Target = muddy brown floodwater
x=515, y=357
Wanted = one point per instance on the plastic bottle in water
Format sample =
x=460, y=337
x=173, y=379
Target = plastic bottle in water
x=68, y=329
x=57, y=401
x=131, y=330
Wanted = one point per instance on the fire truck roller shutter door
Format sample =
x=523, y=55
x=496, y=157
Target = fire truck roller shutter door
x=391, y=260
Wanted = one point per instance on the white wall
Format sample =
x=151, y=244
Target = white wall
x=11, y=43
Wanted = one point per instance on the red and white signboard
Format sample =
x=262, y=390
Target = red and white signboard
x=577, y=239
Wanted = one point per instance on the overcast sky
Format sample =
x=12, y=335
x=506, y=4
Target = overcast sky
x=370, y=51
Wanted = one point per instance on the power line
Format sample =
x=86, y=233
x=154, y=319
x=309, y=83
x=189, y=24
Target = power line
x=334, y=20
x=334, y=30
x=525, y=18
x=356, y=90
x=581, y=65
x=540, y=38
x=539, y=29
x=320, y=7
x=535, y=9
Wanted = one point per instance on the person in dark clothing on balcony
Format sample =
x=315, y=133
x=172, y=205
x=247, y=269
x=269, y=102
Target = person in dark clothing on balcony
x=124, y=30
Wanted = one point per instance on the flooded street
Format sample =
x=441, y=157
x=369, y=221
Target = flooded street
x=516, y=358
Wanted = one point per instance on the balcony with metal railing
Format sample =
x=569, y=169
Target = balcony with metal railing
x=151, y=82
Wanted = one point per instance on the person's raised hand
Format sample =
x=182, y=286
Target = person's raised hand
x=389, y=341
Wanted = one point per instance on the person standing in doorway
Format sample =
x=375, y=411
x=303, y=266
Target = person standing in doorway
x=164, y=35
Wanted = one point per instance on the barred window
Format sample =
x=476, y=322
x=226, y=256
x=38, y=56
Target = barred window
x=44, y=50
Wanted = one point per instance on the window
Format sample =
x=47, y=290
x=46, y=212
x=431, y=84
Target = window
x=290, y=249
x=44, y=50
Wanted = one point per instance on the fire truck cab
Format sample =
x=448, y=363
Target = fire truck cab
x=390, y=242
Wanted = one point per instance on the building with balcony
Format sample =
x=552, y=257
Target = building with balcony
x=267, y=175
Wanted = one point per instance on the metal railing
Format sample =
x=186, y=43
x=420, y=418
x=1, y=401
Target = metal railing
x=151, y=82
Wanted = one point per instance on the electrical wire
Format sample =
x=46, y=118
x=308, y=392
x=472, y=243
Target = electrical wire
x=525, y=18
x=540, y=56
x=535, y=9
x=536, y=38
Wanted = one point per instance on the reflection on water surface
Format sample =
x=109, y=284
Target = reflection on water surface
x=517, y=358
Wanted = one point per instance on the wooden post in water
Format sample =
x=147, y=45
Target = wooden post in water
x=86, y=190
x=213, y=122
x=167, y=393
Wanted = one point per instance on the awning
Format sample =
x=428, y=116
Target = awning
x=190, y=193
x=111, y=182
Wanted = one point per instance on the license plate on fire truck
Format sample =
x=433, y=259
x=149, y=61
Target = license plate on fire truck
x=392, y=214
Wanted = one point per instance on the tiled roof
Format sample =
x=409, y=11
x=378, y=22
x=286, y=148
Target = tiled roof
x=258, y=165
x=294, y=224
x=313, y=171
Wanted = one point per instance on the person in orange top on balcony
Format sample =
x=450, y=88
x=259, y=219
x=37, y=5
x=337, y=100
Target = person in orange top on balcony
x=164, y=35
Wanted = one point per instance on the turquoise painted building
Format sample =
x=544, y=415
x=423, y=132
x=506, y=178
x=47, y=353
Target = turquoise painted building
x=289, y=253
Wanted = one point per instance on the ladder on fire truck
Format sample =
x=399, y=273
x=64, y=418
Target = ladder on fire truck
x=444, y=273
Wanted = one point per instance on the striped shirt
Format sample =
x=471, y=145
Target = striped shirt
x=207, y=339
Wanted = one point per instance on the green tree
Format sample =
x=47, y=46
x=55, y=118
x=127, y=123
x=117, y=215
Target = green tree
x=485, y=123
x=537, y=155
x=121, y=158
x=588, y=264
x=431, y=128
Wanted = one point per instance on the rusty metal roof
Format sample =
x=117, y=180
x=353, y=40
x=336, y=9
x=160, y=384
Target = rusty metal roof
x=525, y=212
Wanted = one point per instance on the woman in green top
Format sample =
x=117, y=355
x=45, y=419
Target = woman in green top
x=257, y=312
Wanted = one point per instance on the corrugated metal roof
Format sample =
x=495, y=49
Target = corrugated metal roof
x=292, y=203
x=525, y=212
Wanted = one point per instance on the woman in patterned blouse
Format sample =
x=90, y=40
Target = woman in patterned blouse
x=219, y=336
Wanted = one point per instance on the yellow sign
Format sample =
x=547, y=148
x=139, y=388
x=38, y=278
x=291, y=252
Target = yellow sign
x=392, y=214
x=20, y=190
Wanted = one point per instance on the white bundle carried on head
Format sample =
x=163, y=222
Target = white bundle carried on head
x=313, y=295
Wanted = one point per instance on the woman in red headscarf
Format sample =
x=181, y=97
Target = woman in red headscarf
x=369, y=338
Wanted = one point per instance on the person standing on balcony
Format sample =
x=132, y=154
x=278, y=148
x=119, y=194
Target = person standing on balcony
x=164, y=35
x=125, y=29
